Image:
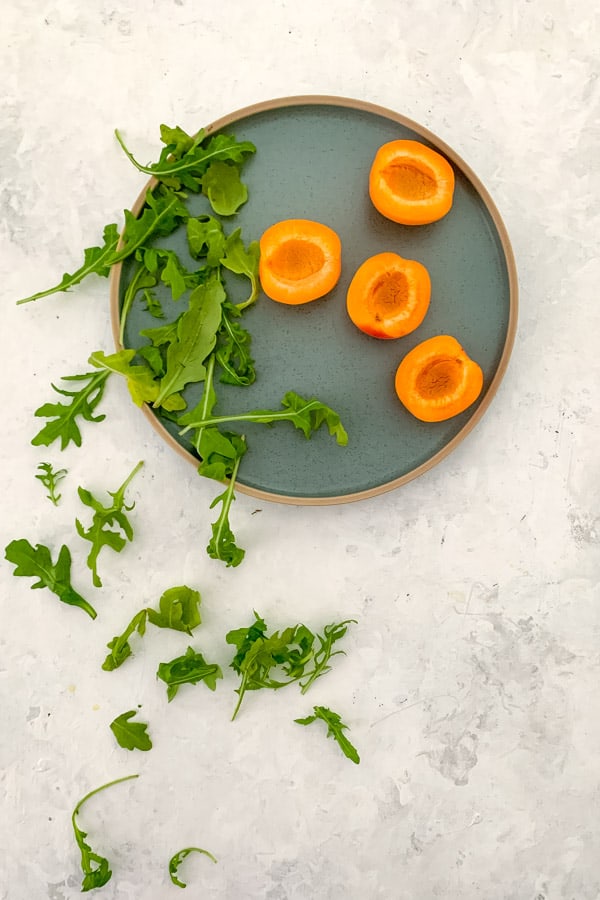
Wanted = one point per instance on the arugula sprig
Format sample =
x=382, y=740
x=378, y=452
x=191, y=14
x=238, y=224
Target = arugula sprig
x=50, y=478
x=281, y=658
x=131, y=735
x=36, y=562
x=178, y=609
x=335, y=730
x=99, y=533
x=95, y=868
x=191, y=668
x=178, y=858
x=63, y=424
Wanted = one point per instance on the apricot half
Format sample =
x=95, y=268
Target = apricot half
x=300, y=261
x=388, y=296
x=438, y=380
x=410, y=183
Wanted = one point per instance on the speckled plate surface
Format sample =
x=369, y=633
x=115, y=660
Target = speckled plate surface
x=312, y=161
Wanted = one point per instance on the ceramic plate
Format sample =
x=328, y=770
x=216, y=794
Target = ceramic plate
x=312, y=161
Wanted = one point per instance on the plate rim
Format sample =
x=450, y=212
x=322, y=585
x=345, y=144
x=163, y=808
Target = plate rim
x=280, y=103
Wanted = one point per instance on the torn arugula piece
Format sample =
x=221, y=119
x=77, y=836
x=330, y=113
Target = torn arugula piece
x=282, y=658
x=178, y=858
x=99, y=533
x=131, y=735
x=95, y=868
x=36, y=562
x=63, y=417
x=335, y=730
x=50, y=478
x=190, y=668
x=96, y=260
x=178, y=610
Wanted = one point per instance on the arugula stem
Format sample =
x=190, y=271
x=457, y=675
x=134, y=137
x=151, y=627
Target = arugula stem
x=241, y=691
x=97, y=791
x=207, y=401
x=132, y=289
x=267, y=417
x=179, y=166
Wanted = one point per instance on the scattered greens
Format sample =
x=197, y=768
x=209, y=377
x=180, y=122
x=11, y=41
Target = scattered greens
x=178, y=858
x=282, y=658
x=62, y=424
x=36, y=562
x=178, y=609
x=130, y=735
x=335, y=729
x=99, y=533
x=190, y=668
x=95, y=868
x=50, y=478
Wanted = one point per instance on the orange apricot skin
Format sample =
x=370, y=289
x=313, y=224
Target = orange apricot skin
x=428, y=164
x=388, y=296
x=438, y=380
x=288, y=288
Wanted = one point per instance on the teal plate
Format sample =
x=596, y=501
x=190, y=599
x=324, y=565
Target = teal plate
x=312, y=161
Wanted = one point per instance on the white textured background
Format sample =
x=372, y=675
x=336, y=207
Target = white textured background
x=471, y=682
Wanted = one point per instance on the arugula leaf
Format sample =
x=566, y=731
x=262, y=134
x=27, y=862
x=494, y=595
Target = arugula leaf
x=222, y=544
x=184, y=160
x=178, y=609
x=99, y=533
x=142, y=279
x=188, y=669
x=178, y=858
x=63, y=417
x=196, y=338
x=50, y=478
x=335, y=729
x=243, y=261
x=233, y=349
x=131, y=735
x=222, y=185
x=282, y=658
x=96, y=260
x=119, y=646
x=95, y=868
x=162, y=213
x=36, y=562
x=206, y=239
x=141, y=383
x=306, y=415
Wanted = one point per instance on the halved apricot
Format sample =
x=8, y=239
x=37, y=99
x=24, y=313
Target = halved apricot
x=388, y=296
x=438, y=380
x=300, y=261
x=410, y=183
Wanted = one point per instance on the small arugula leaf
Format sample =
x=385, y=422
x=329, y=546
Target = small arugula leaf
x=190, y=668
x=131, y=735
x=233, y=349
x=178, y=608
x=50, y=478
x=63, y=417
x=335, y=730
x=306, y=415
x=36, y=562
x=222, y=544
x=178, y=858
x=96, y=260
x=243, y=261
x=119, y=646
x=153, y=305
x=222, y=185
x=321, y=657
x=206, y=239
x=141, y=382
x=99, y=533
x=95, y=868
x=195, y=340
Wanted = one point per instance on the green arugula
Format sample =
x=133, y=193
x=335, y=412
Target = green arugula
x=222, y=544
x=186, y=160
x=140, y=379
x=243, y=261
x=131, y=735
x=50, y=478
x=190, y=668
x=95, y=868
x=96, y=260
x=99, y=533
x=178, y=858
x=282, y=658
x=36, y=562
x=63, y=417
x=178, y=609
x=335, y=729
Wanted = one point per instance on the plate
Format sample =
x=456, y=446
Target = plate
x=312, y=161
